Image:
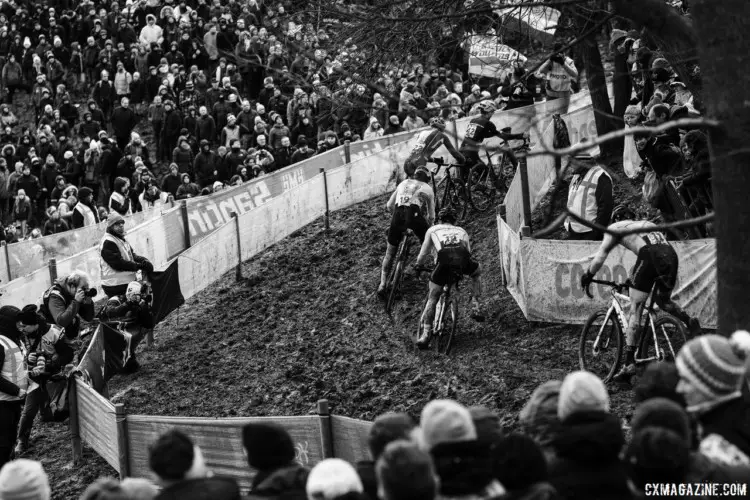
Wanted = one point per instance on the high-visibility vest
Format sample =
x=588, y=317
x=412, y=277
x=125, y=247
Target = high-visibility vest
x=88, y=215
x=582, y=199
x=112, y=277
x=14, y=366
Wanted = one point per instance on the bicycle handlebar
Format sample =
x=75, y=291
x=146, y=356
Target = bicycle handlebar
x=619, y=287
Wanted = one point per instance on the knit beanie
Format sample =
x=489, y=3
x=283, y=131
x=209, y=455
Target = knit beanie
x=24, y=479
x=582, y=391
x=663, y=413
x=539, y=414
x=333, y=478
x=487, y=424
x=8, y=318
x=657, y=455
x=268, y=446
x=445, y=421
x=114, y=219
x=387, y=428
x=714, y=367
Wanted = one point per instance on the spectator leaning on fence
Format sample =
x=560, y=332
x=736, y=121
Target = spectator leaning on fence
x=68, y=301
x=118, y=261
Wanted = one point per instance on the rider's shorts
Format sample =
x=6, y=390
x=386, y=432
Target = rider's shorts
x=656, y=265
x=452, y=262
x=407, y=217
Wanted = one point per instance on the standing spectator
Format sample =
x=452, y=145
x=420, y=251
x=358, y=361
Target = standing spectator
x=283, y=154
x=54, y=224
x=205, y=127
x=406, y=472
x=122, y=81
x=187, y=189
x=278, y=131
x=24, y=479
x=270, y=452
x=22, y=212
x=119, y=262
x=104, y=95
x=119, y=201
x=123, y=121
x=374, y=130
x=181, y=471
x=212, y=49
x=14, y=381
x=412, y=121
x=171, y=181
x=206, y=165
x=85, y=213
x=152, y=32
x=156, y=117
x=171, y=129
x=67, y=301
x=182, y=155
x=589, y=197
x=559, y=69
x=394, y=126
x=303, y=151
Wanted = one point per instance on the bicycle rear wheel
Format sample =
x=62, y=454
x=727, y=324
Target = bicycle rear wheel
x=670, y=336
x=600, y=345
x=482, y=189
x=448, y=323
x=451, y=196
x=397, y=276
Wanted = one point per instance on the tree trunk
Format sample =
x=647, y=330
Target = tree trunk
x=722, y=28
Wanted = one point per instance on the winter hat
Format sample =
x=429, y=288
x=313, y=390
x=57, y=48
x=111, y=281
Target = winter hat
x=113, y=219
x=8, y=318
x=388, y=428
x=541, y=408
x=268, y=446
x=24, y=479
x=616, y=36
x=663, y=413
x=660, y=63
x=657, y=455
x=218, y=185
x=582, y=391
x=487, y=424
x=28, y=315
x=475, y=87
x=333, y=478
x=445, y=421
x=394, y=120
x=714, y=366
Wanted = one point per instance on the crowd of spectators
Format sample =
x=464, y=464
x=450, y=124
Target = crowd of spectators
x=690, y=430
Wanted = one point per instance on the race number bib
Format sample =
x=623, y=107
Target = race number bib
x=654, y=238
x=471, y=131
x=450, y=238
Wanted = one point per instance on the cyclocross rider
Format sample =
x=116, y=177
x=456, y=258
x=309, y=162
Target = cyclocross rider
x=479, y=129
x=428, y=141
x=453, y=248
x=656, y=264
x=414, y=203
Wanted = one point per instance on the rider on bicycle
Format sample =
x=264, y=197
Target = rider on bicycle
x=414, y=203
x=428, y=141
x=453, y=248
x=655, y=267
x=479, y=129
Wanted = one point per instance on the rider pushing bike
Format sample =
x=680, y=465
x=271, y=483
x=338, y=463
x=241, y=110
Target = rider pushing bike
x=414, y=203
x=427, y=143
x=453, y=248
x=656, y=267
x=479, y=129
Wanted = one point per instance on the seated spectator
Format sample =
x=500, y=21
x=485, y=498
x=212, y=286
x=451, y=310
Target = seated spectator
x=181, y=471
x=404, y=472
x=586, y=462
x=334, y=479
x=270, y=452
x=712, y=372
x=23, y=479
x=385, y=429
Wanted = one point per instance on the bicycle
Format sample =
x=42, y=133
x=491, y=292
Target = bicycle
x=663, y=332
x=453, y=189
x=396, y=277
x=510, y=158
x=445, y=322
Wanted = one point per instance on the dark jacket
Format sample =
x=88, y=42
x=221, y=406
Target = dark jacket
x=112, y=256
x=204, y=166
x=586, y=463
x=286, y=483
x=61, y=308
x=464, y=468
x=123, y=121
x=731, y=421
x=210, y=488
x=170, y=183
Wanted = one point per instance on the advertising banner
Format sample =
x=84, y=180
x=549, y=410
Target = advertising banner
x=489, y=58
x=540, y=22
x=552, y=271
x=510, y=263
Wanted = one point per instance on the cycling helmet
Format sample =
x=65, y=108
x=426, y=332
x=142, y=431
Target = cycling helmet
x=448, y=214
x=622, y=212
x=487, y=106
x=437, y=122
x=422, y=174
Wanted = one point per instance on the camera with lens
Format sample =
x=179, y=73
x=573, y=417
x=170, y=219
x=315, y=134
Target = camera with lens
x=91, y=292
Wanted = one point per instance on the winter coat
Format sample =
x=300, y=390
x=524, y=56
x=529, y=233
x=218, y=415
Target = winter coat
x=123, y=121
x=276, y=134
x=586, y=464
x=286, y=483
x=183, y=158
x=205, y=129
x=215, y=488
x=465, y=471
x=204, y=166
x=170, y=183
x=185, y=191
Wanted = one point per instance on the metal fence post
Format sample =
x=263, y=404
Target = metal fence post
x=123, y=454
x=52, y=270
x=347, y=152
x=75, y=431
x=326, y=434
x=525, y=192
x=238, y=271
x=325, y=192
x=7, y=260
x=186, y=223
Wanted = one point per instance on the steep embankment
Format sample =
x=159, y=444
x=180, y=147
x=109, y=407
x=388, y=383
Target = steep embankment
x=305, y=324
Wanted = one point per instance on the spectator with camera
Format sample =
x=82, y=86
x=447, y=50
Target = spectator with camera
x=560, y=70
x=119, y=263
x=68, y=301
x=49, y=353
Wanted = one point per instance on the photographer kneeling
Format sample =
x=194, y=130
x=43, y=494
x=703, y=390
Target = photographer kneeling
x=130, y=312
x=119, y=263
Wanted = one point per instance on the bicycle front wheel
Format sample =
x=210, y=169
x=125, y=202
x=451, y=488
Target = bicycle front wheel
x=600, y=345
x=448, y=322
x=482, y=189
x=670, y=337
x=451, y=195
